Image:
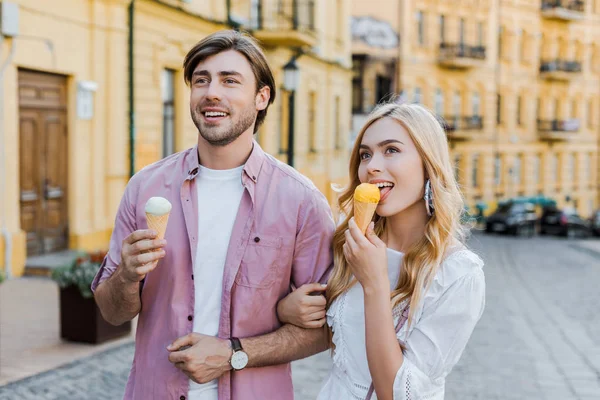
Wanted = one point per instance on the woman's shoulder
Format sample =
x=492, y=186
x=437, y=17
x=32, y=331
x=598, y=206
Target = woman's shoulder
x=459, y=263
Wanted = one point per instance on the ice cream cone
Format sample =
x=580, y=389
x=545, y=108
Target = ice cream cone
x=366, y=198
x=158, y=223
x=157, y=215
x=363, y=214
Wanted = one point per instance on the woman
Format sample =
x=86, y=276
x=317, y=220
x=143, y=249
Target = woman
x=402, y=300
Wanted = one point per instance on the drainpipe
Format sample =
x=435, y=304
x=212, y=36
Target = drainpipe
x=131, y=11
x=3, y=168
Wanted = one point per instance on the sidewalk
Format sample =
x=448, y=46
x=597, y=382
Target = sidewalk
x=30, y=340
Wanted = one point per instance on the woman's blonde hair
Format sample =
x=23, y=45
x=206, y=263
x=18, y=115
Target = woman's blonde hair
x=443, y=229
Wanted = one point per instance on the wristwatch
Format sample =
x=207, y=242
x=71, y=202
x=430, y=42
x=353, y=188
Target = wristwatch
x=239, y=359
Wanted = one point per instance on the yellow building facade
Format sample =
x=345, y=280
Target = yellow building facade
x=517, y=83
x=65, y=123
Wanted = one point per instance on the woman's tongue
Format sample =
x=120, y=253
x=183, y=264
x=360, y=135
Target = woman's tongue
x=384, y=191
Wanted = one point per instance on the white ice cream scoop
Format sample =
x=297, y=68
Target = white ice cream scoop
x=158, y=206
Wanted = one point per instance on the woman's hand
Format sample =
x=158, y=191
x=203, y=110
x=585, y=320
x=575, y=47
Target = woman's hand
x=304, y=307
x=366, y=257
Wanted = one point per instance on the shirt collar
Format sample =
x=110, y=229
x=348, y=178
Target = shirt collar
x=251, y=168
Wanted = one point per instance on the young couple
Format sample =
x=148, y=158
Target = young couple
x=216, y=315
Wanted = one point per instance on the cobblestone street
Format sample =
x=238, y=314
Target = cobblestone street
x=539, y=337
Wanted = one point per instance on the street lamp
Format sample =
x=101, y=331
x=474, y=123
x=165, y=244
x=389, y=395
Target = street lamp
x=291, y=76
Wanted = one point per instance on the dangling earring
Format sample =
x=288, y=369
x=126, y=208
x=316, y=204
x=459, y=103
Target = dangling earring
x=428, y=197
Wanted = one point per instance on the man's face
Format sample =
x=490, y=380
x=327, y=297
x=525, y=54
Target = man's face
x=224, y=101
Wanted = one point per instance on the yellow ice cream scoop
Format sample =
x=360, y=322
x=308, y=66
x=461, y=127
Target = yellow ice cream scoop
x=367, y=193
x=366, y=198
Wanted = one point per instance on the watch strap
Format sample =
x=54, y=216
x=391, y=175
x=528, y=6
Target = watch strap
x=236, y=345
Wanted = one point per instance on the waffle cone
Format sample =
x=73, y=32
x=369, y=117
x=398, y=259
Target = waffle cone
x=158, y=223
x=363, y=214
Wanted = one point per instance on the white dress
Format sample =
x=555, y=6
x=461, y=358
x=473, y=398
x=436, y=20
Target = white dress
x=434, y=343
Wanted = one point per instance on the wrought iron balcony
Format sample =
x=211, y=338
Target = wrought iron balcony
x=289, y=23
x=461, y=55
x=566, y=10
x=559, y=69
x=462, y=127
x=556, y=129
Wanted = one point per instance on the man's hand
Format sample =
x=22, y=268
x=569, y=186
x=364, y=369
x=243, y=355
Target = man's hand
x=304, y=307
x=140, y=254
x=207, y=358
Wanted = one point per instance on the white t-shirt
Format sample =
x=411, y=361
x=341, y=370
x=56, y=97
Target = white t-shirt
x=219, y=196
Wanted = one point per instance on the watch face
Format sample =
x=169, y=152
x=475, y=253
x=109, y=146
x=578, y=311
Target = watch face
x=239, y=359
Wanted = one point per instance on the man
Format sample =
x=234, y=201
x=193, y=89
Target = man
x=243, y=228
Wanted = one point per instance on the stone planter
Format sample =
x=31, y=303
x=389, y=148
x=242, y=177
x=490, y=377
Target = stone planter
x=81, y=320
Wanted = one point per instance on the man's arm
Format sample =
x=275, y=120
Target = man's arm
x=116, y=286
x=118, y=299
x=287, y=344
x=205, y=358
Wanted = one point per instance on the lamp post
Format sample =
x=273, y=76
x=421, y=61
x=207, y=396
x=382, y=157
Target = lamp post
x=291, y=75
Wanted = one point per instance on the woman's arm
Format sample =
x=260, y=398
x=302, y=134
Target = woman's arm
x=383, y=350
x=304, y=307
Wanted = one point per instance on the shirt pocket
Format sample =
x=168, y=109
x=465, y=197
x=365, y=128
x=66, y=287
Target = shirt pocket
x=258, y=268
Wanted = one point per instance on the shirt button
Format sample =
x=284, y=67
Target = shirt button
x=189, y=317
x=253, y=178
x=257, y=239
x=181, y=397
x=192, y=277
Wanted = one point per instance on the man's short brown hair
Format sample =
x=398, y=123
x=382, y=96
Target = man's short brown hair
x=244, y=44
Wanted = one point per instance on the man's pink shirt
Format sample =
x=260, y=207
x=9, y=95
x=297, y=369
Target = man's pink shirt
x=282, y=235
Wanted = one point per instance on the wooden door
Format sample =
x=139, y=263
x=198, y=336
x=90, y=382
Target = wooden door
x=43, y=161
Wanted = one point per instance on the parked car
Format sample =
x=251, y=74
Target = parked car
x=595, y=223
x=516, y=218
x=565, y=222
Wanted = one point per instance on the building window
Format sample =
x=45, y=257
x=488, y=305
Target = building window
x=552, y=159
x=536, y=169
x=475, y=171
x=457, y=161
x=357, y=84
x=337, y=119
x=168, y=98
x=457, y=105
x=439, y=102
x=574, y=111
x=498, y=109
x=420, y=27
x=570, y=175
x=497, y=170
x=312, y=122
x=461, y=33
x=519, y=104
x=417, y=96
x=384, y=88
x=586, y=168
x=590, y=114
x=500, y=43
x=476, y=105
x=442, y=29
x=516, y=173
x=480, y=33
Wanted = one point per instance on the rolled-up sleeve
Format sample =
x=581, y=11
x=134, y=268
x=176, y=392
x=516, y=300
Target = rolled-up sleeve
x=125, y=224
x=439, y=337
x=313, y=256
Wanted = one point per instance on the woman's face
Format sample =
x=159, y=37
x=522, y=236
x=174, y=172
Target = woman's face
x=389, y=159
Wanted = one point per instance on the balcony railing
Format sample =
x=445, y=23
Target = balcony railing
x=563, y=9
x=278, y=22
x=557, y=129
x=461, y=55
x=459, y=126
x=559, y=69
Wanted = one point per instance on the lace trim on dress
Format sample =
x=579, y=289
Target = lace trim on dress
x=334, y=320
